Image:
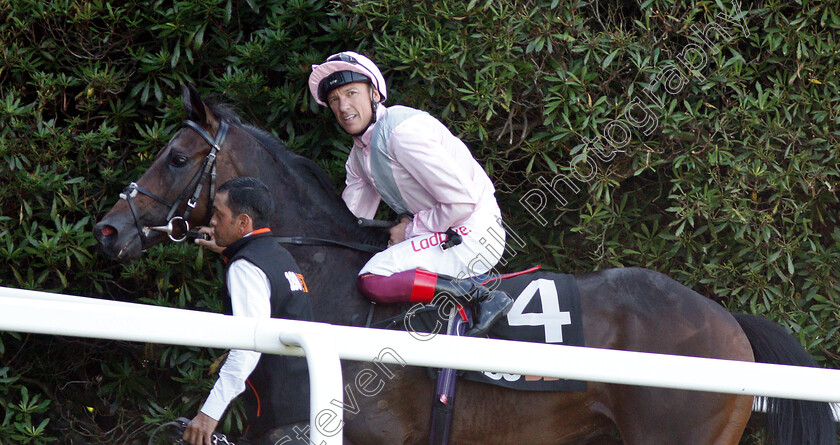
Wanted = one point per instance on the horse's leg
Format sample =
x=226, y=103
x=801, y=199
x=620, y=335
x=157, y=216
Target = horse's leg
x=666, y=416
x=641, y=310
x=739, y=411
x=397, y=414
x=484, y=415
x=491, y=415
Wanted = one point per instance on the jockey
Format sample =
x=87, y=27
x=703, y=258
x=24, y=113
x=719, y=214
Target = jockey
x=426, y=175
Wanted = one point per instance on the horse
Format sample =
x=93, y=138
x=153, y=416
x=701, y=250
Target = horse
x=630, y=309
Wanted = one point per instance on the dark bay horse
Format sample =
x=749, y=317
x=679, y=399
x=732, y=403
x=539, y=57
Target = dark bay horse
x=629, y=309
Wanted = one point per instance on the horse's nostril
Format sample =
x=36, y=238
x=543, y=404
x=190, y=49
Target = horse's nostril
x=108, y=231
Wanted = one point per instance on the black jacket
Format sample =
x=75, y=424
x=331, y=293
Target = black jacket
x=277, y=392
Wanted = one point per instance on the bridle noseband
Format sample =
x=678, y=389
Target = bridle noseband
x=177, y=226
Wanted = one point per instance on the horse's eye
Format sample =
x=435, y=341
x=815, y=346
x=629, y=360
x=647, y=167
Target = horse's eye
x=177, y=160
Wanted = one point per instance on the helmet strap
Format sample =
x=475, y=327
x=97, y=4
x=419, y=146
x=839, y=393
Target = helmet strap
x=374, y=105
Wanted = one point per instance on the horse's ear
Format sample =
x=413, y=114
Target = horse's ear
x=197, y=110
x=193, y=105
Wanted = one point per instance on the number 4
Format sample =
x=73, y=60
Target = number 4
x=551, y=319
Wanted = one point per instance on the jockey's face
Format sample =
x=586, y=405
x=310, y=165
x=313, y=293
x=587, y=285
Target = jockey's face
x=351, y=106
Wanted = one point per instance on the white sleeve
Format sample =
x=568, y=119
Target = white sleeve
x=250, y=295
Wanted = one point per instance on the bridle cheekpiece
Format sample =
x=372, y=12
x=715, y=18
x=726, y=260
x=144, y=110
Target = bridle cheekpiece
x=177, y=226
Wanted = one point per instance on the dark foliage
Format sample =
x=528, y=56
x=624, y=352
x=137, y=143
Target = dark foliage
x=686, y=137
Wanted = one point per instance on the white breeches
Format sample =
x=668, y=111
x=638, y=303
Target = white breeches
x=482, y=246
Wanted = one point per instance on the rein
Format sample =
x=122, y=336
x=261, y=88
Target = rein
x=308, y=241
x=195, y=184
x=363, y=222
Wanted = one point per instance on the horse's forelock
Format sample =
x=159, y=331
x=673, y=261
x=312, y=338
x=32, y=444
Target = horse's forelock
x=225, y=112
x=222, y=111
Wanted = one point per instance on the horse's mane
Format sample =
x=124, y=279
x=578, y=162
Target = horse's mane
x=276, y=148
x=308, y=171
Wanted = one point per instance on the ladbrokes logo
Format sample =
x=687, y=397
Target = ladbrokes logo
x=435, y=239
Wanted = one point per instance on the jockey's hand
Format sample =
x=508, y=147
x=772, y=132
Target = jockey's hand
x=200, y=430
x=398, y=231
x=211, y=243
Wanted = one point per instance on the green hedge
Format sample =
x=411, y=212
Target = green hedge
x=681, y=136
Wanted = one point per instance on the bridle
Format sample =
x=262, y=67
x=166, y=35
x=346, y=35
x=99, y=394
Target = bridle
x=177, y=225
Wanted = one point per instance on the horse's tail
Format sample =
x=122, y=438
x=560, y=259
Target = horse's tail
x=788, y=421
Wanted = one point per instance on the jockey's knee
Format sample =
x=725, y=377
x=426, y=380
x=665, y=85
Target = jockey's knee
x=383, y=289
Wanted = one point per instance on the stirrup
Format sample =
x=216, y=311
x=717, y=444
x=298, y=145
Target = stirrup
x=480, y=326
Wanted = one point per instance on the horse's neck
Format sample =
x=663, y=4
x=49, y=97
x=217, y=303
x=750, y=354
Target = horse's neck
x=304, y=207
x=331, y=271
x=323, y=216
x=330, y=274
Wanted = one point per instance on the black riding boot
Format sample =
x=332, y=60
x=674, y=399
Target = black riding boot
x=489, y=305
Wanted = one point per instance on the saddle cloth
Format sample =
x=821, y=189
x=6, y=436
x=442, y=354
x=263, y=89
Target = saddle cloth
x=546, y=309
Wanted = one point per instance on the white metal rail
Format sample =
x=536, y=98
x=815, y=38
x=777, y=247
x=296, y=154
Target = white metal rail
x=323, y=345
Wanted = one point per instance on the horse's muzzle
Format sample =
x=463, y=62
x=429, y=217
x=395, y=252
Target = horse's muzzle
x=123, y=245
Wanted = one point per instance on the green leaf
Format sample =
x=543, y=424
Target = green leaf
x=607, y=60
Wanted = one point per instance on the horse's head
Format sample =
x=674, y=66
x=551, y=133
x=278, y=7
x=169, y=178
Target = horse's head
x=177, y=187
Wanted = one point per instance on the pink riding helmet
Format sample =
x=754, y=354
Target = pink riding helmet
x=341, y=69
